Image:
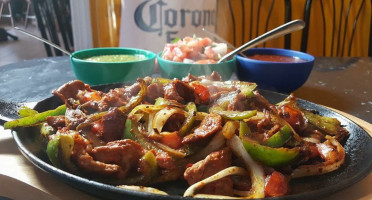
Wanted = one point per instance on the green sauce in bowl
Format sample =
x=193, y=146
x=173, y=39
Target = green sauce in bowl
x=116, y=58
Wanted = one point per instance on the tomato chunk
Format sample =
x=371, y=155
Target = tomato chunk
x=276, y=185
x=292, y=116
x=171, y=139
x=202, y=91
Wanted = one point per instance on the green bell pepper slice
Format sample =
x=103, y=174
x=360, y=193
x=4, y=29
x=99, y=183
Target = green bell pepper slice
x=268, y=155
x=191, y=117
x=160, y=101
x=53, y=151
x=47, y=130
x=246, y=88
x=59, y=150
x=128, y=126
x=279, y=138
x=150, y=158
x=161, y=80
x=25, y=111
x=233, y=115
x=244, y=130
x=35, y=119
x=327, y=124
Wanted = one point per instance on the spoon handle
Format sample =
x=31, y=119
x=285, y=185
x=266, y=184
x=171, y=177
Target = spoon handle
x=43, y=40
x=275, y=33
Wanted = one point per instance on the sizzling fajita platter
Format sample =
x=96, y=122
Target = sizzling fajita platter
x=199, y=137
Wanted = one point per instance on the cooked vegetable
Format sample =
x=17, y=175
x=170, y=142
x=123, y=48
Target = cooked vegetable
x=280, y=137
x=255, y=170
x=191, y=117
x=25, y=111
x=226, y=172
x=268, y=155
x=333, y=154
x=59, y=151
x=35, y=119
x=233, y=115
x=47, y=130
x=150, y=159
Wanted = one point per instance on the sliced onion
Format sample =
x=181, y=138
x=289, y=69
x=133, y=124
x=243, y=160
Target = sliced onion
x=142, y=189
x=334, y=155
x=255, y=170
x=216, y=143
x=172, y=152
x=147, y=108
x=223, y=173
x=214, y=196
x=310, y=139
x=162, y=116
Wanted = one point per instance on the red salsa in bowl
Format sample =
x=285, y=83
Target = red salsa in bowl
x=276, y=58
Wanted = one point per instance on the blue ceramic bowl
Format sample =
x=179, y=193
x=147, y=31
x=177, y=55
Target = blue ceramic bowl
x=283, y=77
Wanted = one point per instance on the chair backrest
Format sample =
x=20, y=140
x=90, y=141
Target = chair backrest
x=54, y=22
x=334, y=27
x=342, y=27
x=239, y=21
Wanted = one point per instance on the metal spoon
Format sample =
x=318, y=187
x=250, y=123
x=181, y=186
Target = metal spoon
x=45, y=41
x=284, y=29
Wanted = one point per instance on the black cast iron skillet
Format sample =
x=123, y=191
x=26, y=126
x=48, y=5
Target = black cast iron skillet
x=358, y=161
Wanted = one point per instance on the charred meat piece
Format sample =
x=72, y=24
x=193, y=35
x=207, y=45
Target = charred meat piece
x=238, y=103
x=216, y=92
x=113, y=124
x=114, y=98
x=211, y=124
x=118, y=97
x=190, y=78
x=154, y=91
x=213, y=163
x=74, y=117
x=179, y=91
x=258, y=102
x=73, y=89
x=124, y=153
x=87, y=164
x=56, y=121
x=215, y=76
x=164, y=161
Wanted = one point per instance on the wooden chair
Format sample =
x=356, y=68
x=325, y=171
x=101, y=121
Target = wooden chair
x=239, y=21
x=54, y=22
x=10, y=15
x=27, y=14
x=342, y=27
x=334, y=27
